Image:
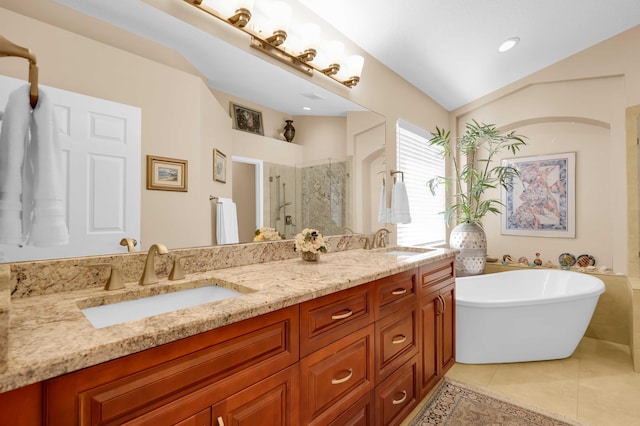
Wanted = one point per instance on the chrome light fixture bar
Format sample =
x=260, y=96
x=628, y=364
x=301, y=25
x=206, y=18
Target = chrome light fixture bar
x=272, y=45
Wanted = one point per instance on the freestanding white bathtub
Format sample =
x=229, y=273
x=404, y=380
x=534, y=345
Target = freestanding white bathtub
x=527, y=315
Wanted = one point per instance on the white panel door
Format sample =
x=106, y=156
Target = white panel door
x=101, y=141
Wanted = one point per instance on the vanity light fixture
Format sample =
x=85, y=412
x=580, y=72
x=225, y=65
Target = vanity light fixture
x=308, y=54
x=508, y=44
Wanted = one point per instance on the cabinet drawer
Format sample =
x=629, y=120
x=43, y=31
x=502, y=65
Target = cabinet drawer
x=335, y=377
x=395, y=292
x=396, y=396
x=359, y=414
x=123, y=389
x=329, y=318
x=397, y=340
x=436, y=275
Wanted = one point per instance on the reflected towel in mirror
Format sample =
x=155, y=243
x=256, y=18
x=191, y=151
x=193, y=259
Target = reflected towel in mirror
x=226, y=221
x=383, y=210
x=31, y=174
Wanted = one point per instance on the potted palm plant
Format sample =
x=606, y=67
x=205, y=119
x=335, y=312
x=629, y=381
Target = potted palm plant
x=475, y=171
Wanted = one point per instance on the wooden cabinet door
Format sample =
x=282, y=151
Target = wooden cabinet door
x=429, y=323
x=448, y=329
x=271, y=402
x=437, y=320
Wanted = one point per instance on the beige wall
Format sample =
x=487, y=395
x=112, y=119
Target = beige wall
x=576, y=105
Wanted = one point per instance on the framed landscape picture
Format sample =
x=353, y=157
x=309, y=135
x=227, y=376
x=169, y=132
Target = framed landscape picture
x=219, y=166
x=541, y=200
x=246, y=119
x=166, y=174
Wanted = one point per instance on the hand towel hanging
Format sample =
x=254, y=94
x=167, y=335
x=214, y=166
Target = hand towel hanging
x=400, y=212
x=226, y=221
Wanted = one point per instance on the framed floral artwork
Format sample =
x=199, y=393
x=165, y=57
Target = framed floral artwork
x=219, y=166
x=166, y=174
x=540, y=201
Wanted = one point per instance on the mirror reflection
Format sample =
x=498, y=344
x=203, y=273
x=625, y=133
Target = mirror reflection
x=316, y=181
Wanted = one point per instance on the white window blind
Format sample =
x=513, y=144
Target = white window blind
x=420, y=162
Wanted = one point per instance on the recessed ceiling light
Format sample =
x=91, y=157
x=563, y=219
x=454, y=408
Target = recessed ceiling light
x=306, y=108
x=508, y=44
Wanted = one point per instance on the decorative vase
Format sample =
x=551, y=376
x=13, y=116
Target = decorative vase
x=289, y=131
x=309, y=256
x=471, y=240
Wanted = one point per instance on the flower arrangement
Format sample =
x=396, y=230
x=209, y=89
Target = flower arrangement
x=267, y=234
x=310, y=240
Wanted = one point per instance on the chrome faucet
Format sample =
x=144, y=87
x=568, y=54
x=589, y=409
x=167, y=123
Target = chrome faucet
x=149, y=272
x=378, y=238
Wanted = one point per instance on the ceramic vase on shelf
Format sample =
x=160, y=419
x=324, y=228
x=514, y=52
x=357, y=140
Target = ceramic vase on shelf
x=471, y=240
x=309, y=256
x=289, y=130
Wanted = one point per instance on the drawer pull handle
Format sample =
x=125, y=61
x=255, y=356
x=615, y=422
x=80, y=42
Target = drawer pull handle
x=344, y=379
x=220, y=421
x=400, y=338
x=401, y=400
x=347, y=314
x=399, y=291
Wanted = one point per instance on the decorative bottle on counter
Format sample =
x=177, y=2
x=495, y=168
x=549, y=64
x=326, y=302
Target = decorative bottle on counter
x=289, y=130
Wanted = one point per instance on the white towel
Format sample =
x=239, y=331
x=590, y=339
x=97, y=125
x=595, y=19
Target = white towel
x=48, y=225
x=32, y=208
x=226, y=221
x=383, y=210
x=13, y=138
x=400, y=204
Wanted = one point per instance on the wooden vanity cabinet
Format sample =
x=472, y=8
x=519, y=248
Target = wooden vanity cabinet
x=437, y=321
x=185, y=377
x=362, y=356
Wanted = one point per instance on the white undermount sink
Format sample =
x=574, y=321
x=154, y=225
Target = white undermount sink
x=407, y=251
x=129, y=310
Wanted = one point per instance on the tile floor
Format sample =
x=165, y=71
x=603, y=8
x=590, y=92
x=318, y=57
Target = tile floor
x=596, y=385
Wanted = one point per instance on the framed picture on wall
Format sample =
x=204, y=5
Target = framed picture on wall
x=166, y=174
x=246, y=119
x=219, y=166
x=540, y=201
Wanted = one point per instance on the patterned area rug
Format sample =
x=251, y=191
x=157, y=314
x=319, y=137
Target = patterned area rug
x=456, y=404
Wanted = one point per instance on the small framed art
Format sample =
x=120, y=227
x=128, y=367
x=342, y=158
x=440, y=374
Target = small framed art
x=166, y=174
x=219, y=166
x=246, y=119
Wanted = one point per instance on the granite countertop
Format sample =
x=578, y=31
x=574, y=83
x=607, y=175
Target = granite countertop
x=50, y=336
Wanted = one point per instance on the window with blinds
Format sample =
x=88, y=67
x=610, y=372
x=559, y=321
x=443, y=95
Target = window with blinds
x=420, y=162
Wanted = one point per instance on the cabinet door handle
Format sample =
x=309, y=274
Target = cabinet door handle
x=220, y=421
x=347, y=314
x=440, y=305
x=400, y=338
x=399, y=291
x=444, y=304
x=401, y=400
x=344, y=379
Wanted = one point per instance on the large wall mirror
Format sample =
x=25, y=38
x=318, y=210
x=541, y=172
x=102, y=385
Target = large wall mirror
x=326, y=178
